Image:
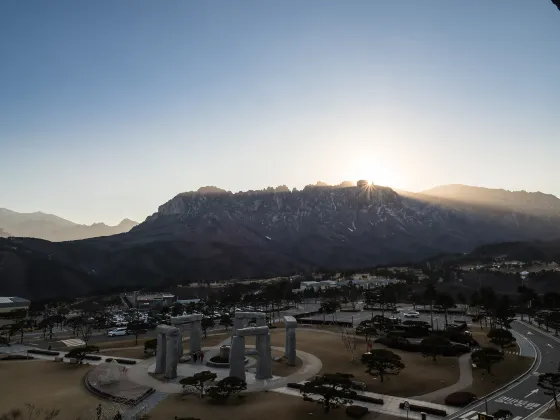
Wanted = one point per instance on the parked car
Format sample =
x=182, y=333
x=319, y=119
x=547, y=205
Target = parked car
x=411, y=314
x=117, y=332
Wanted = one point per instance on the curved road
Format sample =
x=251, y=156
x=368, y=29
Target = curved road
x=523, y=398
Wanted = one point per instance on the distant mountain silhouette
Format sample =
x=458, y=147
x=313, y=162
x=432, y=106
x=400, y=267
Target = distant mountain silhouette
x=536, y=203
x=54, y=228
x=208, y=235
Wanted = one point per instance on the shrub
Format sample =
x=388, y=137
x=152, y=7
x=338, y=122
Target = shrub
x=365, y=398
x=91, y=357
x=356, y=411
x=15, y=357
x=109, y=359
x=126, y=361
x=460, y=399
x=294, y=385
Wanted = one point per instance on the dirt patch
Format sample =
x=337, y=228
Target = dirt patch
x=132, y=352
x=552, y=413
x=420, y=376
x=502, y=373
x=214, y=340
x=252, y=406
x=210, y=341
x=47, y=385
x=122, y=343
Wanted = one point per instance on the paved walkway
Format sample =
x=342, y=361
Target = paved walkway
x=139, y=374
x=465, y=380
x=390, y=406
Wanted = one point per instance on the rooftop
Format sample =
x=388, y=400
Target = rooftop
x=13, y=301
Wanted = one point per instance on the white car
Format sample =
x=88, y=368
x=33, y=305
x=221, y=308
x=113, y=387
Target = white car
x=118, y=331
x=412, y=314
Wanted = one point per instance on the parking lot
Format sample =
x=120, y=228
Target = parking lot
x=362, y=315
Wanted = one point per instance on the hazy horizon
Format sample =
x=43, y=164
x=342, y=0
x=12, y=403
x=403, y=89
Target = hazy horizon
x=108, y=110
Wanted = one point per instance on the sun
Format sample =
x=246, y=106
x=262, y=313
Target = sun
x=376, y=174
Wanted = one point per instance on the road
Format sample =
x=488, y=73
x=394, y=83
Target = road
x=523, y=398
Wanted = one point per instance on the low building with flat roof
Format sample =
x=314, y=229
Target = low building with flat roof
x=13, y=303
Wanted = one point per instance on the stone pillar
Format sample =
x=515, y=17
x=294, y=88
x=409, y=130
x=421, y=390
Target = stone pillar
x=261, y=320
x=180, y=344
x=238, y=323
x=264, y=367
x=291, y=343
x=290, y=323
x=160, y=353
x=286, y=342
x=224, y=352
x=172, y=355
x=237, y=357
x=196, y=336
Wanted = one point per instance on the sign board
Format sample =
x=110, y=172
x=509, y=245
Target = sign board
x=407, y=406
x=484, y=416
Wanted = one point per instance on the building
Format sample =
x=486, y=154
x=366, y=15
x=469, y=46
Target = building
x=13, y=303
x=149, y=300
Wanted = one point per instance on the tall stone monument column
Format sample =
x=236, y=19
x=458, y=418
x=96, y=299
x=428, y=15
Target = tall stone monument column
x=172, y=354
x=237, y=357
x=179, y=344
x=264, y=368
x=291, y=354
x=196, y=334
x=193, y=323
x=261, y=320
x=160, y=353
x=290, y=323
x=238, y=322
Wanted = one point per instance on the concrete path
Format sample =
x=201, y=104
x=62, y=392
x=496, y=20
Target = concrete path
x=139, y=374
x=465, y=380
x=390, y=406
x=144, y=407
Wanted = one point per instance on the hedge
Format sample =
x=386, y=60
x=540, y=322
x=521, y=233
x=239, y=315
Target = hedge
x=425, y=409
x=365, y=398
x=11, y=357
x=356, y=411
x=44, y=352
x=357, y=397
x=126, y=361
x=325, y=322
x=92, y=357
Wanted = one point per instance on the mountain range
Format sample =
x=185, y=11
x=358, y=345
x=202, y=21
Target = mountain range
x=216, y=234
x=54, y=228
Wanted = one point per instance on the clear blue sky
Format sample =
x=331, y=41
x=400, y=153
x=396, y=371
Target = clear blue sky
x=110, y=108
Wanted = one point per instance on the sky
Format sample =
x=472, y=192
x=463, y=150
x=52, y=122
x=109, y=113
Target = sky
x=109, y=109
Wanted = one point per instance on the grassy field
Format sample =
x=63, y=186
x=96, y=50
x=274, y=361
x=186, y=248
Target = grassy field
x=252, y=406
x=420, y=376
x=46, y=385
x=480, y=335
x=128, y=348
x=503, y=372
x=552, y=413
x=281, y=368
